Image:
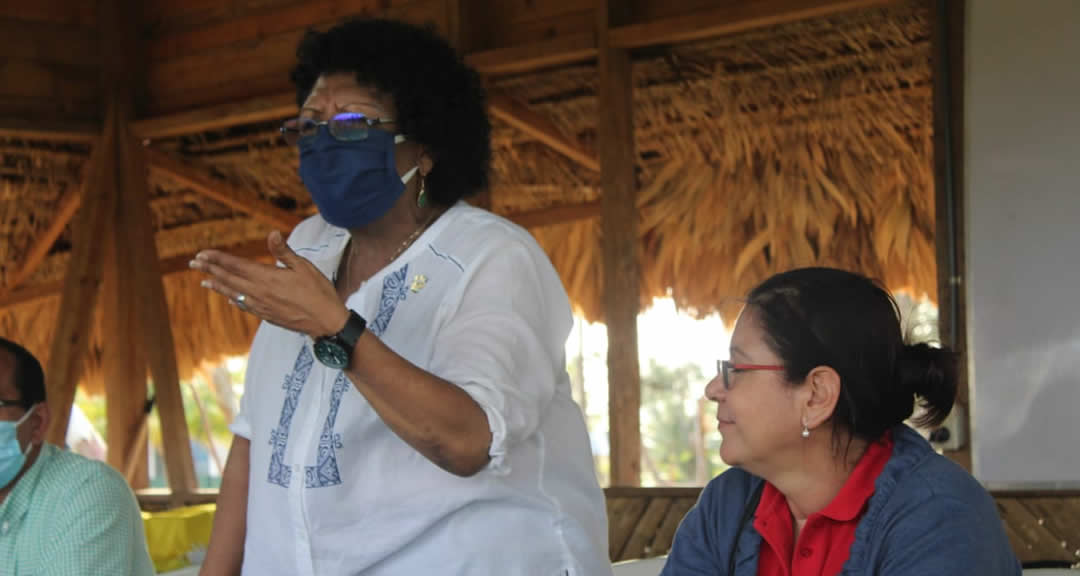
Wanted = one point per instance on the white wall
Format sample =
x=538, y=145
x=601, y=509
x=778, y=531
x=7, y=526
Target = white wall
x=1022, y=204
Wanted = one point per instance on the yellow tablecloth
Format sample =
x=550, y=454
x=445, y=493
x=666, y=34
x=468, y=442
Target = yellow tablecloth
x=175, y=536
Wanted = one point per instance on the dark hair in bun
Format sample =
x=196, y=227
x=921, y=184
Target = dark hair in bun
x=826, y=317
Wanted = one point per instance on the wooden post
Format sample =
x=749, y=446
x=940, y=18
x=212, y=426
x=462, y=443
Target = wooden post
x=71, y=335
x=620, y=224
x=140, y=310
x=123, y=362
x=947, y=41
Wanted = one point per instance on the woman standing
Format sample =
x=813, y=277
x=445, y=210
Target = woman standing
x=407, y=408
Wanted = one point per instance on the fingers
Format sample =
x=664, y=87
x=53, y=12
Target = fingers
x=279, y=249
x=222, y=279
x=238, y=299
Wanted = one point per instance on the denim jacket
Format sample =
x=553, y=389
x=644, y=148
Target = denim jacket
x=927, y=517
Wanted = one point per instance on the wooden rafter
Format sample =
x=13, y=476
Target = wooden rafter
x=30, y=294
x=41, y=245
x=80, y=286
x=235, y=197
x=521, y=117
x=731, y=18
x=215, y=117
x=46, y=131
x=527, y=57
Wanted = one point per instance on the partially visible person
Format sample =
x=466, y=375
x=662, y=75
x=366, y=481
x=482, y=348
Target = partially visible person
x=60, y=514
x=827, y=478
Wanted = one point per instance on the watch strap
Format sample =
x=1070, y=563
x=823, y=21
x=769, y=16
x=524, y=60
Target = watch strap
x=354, y=328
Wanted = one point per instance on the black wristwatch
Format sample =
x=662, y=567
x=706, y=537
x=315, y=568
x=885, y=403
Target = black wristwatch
x=336, y=350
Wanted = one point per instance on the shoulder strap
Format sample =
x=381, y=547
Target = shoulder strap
x=747, y=514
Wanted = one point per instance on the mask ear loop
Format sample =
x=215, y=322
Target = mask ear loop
x=409, y=175
x=25, y=416
x=19, y=422
x=421, y=196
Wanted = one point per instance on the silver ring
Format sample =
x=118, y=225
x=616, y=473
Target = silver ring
x=241, y=301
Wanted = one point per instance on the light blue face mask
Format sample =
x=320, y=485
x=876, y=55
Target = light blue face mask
x=12, y=456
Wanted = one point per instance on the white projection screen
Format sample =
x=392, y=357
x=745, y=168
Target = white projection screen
x=1021, y=198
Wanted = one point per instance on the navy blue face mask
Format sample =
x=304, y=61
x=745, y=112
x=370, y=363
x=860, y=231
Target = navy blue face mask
x=353, y=183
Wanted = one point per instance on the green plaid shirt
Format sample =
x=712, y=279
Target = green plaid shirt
x=70, y=516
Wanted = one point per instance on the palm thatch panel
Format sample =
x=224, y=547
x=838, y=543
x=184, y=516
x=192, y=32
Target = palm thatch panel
x=803, y=144
x=34, y=178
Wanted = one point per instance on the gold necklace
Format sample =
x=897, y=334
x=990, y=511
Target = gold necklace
x=408, y=242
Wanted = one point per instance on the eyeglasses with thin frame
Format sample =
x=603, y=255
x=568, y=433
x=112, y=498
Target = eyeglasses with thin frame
x=725, y=369
x=345, y=127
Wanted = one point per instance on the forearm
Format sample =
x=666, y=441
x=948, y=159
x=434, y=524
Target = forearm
x=225, y=554
x=435, y=417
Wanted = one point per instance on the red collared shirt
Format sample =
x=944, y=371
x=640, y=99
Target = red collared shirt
x=825, y=541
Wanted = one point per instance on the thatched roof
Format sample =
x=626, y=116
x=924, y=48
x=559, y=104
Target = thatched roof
x=805, y=143
x=808, y=143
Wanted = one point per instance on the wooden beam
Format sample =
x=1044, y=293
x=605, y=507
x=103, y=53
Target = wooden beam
x=71, y=335
x=152, y=314
x=135, y=467
x=216, y=117
x=41, y=245
x=521, y=117
x=556, y=215
x=124, y=354
x=19, y=128
x=141, y=313
x=558, y=51
x=123, y=360
x=731, y=18
x=620, y=248
x=254, y=25
x=235, y=197
x=31, y=293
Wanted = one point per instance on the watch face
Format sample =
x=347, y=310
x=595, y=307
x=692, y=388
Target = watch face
x=331, y=353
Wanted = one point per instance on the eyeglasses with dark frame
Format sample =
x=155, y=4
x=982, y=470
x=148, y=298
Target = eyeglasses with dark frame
x=345, y=127
x=19, y=403
x=725, y=368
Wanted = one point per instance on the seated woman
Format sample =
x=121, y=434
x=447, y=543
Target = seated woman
x=407, y=408
x=827, y=476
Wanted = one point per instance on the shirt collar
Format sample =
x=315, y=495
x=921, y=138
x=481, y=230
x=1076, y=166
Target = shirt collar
x=858, y=488
x=326, y=254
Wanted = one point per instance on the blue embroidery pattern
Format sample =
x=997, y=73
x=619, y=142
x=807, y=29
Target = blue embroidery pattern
x=279, y=473
x=325, y=472
x=394, y=290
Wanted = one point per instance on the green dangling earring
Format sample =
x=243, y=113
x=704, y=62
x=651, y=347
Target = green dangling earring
x=421, y=196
